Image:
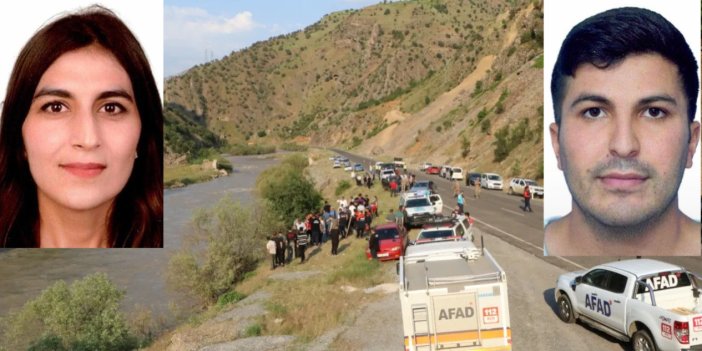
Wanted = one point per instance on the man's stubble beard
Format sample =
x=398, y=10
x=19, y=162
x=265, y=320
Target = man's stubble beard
x=607, y=223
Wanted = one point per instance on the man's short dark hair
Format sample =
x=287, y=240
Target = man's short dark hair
x=609, y=37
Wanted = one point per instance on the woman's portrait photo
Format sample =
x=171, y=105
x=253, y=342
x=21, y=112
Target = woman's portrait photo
x=81, y=137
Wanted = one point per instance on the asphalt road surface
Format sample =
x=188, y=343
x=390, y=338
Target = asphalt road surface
x=515, y=238
x=501, y=215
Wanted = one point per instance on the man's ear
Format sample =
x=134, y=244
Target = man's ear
x=692, y=145
x=553, y=128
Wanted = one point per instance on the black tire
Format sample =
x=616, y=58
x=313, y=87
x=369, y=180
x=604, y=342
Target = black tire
x=642, y=341
x=565, y=309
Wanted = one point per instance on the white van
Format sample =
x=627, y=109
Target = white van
x=457, y=173
x=491, y=181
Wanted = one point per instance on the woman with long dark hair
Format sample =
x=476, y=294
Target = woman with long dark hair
x=81, y=139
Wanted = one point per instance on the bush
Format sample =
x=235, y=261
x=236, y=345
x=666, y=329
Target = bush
x=485, y=126
x=82, y=316
x=226, y=243
x=230, y=297
x=225, y=164
x=286, y=191
x=341, y=187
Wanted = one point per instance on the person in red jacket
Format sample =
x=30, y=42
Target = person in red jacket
x=527, y=199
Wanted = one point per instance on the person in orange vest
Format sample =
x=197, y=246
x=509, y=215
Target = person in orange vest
x=527, y=199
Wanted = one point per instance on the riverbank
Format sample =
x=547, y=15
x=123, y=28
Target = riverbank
x=315, y=305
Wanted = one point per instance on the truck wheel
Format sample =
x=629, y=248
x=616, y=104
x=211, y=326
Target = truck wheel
x=565, y=309
x=642, y=341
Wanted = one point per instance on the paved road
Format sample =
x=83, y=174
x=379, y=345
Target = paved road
x=500, y=215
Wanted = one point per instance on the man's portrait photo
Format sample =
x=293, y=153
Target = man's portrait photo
x=621, y=109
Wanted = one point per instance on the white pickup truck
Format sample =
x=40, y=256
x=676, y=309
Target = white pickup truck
x=653, y=304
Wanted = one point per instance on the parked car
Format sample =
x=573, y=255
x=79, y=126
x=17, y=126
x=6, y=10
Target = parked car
x=456, y=173
x=417, y=209
x=444, y=228
x=445, y=171
x=472, y=179
x=424, y=166
x=437, y=203
x=392, y=241
x=491, y=181
x=385, y=173
x=337, y=164
x=424, y=187
x=433, y=170
x=358, y=167
x=516, y=186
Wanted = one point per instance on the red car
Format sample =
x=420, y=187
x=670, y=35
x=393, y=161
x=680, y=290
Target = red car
x=433, y=170
x=393, y=241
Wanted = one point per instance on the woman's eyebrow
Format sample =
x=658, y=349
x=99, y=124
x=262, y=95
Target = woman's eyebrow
x=66, y=94
x=52, y=92
x=116, y=93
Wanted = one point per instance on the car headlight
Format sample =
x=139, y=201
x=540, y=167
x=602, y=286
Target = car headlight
x=396, y=248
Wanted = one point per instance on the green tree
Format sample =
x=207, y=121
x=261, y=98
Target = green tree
x=288, y=194
x=501, y=144
x=225, y=244
x=82, y=316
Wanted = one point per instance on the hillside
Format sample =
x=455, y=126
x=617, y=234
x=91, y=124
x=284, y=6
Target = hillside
x=404, y=78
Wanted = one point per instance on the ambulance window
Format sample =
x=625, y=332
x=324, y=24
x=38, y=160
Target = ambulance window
x=617, y=282
x=596, y=278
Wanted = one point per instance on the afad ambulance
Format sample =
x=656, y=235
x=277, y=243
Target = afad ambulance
x=453, y=296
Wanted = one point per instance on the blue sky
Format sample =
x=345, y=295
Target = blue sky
x=196, y=31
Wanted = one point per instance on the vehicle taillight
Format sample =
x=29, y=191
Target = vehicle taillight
x=682, y=332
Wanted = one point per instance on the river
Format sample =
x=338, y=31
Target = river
x=24, y=273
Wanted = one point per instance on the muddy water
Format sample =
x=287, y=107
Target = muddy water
x=24, y=273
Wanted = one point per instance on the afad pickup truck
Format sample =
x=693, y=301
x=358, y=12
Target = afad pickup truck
x=453, y=297
x=653, y=304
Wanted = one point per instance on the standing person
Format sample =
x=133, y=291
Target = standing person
x=400, y=216
x=271, y=247
x=343, y=222
x=334, y=234
x=460, y=201
x=280, y=246
x=292, y=238
x=527, y=198
x=302, y=240
x=393, y=187
x=374, y=245
x=360, y=223
x=477, y=189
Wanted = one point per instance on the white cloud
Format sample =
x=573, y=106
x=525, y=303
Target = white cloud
x=193, y=35
x=241, y=22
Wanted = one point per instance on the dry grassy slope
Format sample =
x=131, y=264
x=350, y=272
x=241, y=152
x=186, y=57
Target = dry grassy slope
x=314, y=80
x=416, y=137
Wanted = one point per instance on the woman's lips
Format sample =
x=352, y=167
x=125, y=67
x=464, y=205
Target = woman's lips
x=84, y=170
x=622, y=181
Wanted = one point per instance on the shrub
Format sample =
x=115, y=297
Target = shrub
x=225, y=244
x=230, y=297
x=485, y=126
x=225, y=164
x=82, y=316
x=286, y=191
x=342, y=187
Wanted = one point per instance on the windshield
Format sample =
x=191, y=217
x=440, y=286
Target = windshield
x=388, y=233
x=417, y=202
x=494, y=177
x=457, y=170
x=435, y=234
x=420, y=185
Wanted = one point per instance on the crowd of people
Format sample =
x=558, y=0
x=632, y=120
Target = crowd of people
x=351, y=216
